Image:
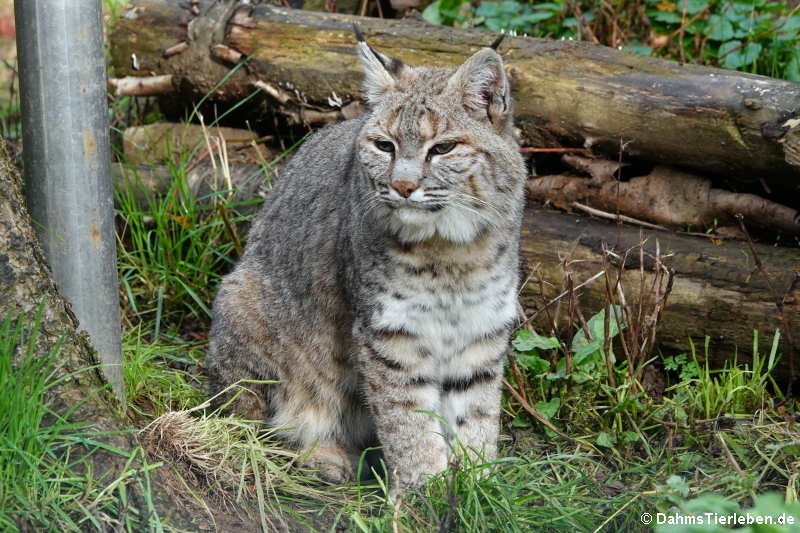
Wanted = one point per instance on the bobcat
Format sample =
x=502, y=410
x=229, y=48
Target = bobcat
x=379, y=282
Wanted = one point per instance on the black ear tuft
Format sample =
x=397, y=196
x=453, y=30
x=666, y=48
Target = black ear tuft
x=359, y=35
x=381, y=73
x=496, y=42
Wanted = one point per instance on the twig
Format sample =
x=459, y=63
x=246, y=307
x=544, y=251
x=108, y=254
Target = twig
x=729, y=454
x=610, y=216
x=532, y=150
x=778, y=299
x=396, y=513
x=512, y=361
x=689, y=22
x=538, y=416
x=143, y=86
x=237, y=244
x=557, y=298
x=607, y=520
x=447, y=524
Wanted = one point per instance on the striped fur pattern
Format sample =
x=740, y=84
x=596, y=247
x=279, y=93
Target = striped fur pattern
x=379, y=281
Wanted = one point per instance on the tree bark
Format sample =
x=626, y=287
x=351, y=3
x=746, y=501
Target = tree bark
x=567, y=93
x=718, y=289
x=24, y=283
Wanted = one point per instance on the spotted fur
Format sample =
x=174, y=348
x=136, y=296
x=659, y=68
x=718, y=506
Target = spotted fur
x=375, y=304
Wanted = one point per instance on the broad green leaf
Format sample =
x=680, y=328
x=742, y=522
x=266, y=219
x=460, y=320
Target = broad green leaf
x=733, y=59
x=526, y=340
x=548, y=409
x=678, y=484
x=721, y=28
x=522, y=420
x=751, y=52
x=431, y=13
x=582, y=354
x=605, y=440
x=534, y=363
x=693, y=6
x=664, y=16
x=631, y=436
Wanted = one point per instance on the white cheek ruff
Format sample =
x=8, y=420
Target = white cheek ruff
x=452, y=223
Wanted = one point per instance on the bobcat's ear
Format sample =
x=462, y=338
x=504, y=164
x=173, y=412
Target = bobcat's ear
x=483, y=86
x=381, y=73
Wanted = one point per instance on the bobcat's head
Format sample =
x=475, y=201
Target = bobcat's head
x=437, y=147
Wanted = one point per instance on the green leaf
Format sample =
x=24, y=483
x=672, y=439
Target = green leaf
x=548, y=409
x=721, y=28
x=678, y=484
x=521, y=420
x=638, y=49
x=534, y=363
x=431, y=13
x=561, y=370
x=694, y=6
x=751, y=52
x=580, y=377
x=631, y=436
x=605, y=440
x=667, y=17
x=533, y=18
x=583, y=353
x=733, y=59
x=526, y=340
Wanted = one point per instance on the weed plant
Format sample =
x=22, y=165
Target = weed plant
x=758, y=36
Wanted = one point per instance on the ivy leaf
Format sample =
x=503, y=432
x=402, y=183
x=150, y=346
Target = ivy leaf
x=664, y=16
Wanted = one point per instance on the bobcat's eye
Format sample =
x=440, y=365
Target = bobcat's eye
x=385, y=146
x=442, y=148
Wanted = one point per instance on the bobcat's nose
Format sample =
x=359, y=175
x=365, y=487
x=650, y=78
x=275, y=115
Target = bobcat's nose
x=404, y=188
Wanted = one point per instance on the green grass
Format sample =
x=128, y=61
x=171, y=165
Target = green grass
x=156, y=380
x=173, y=251
x=46, y=483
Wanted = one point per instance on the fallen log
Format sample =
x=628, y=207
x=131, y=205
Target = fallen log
x=567, y=93
x=718, y=289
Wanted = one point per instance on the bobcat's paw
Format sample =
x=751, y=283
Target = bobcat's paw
x=333, y=463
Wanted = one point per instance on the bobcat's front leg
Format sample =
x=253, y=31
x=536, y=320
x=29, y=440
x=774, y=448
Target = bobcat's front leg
x=403, y=391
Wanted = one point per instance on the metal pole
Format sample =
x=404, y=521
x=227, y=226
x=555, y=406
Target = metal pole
x=66, y=153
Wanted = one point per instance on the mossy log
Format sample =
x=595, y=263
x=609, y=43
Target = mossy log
x=718, y=289
x=25, y=284
x=741, y=126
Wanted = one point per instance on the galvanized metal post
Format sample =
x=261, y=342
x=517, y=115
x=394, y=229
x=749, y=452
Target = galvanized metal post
x=66, y=153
